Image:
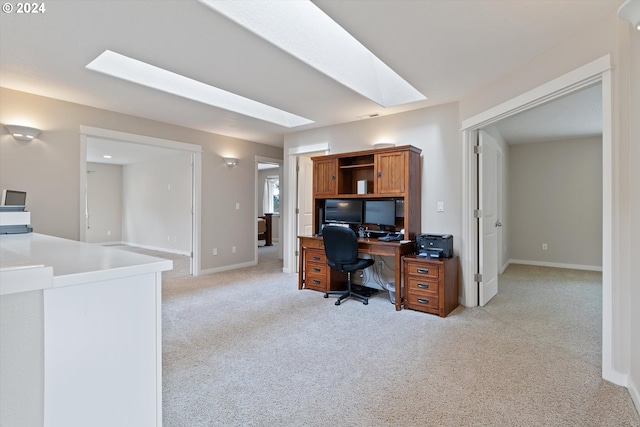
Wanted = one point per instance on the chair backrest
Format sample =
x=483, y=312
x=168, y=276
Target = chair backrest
x=340, y=246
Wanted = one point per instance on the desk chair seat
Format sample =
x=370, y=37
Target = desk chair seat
x=341, y=248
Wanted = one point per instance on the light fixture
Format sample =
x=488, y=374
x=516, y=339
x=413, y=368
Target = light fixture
x=304, y=31
x=630, y=11
x=230, y=161
x=135, y=71
x=22, y=133
x=383, y=145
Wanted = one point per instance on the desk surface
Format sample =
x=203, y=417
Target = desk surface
x=367, y=245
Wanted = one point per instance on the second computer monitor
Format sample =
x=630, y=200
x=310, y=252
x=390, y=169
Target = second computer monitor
x=380, y=212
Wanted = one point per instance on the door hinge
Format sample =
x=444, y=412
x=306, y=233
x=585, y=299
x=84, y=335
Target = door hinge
x=477, y=213
x=477, y=277
x=477, y=149
x=297, y=211
x=297, y=253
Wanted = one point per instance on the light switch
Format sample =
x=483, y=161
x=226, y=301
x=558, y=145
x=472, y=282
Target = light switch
x=237, y=206
x=440, y=206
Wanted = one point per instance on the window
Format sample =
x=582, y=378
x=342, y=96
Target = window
x=272, y=195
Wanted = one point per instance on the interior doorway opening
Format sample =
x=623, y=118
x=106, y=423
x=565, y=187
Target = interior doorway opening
x=598, y=71
x=268, y=200
x=185, y=186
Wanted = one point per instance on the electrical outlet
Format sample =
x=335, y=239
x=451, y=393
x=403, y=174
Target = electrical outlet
x=215, y=251
x=237, y=206
x=109, y=233
x=233, y=249
x=545, y=246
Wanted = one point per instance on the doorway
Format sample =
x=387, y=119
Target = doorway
x=268, y=185
x=291, y=227
x=186, y=188
x=589, y=74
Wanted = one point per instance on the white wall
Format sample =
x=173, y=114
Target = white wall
x=609, y=37
x=435, y=130
x=156, y=207
x=104, y=200
x=555, y=195
x=633, y=159
x=48, y=168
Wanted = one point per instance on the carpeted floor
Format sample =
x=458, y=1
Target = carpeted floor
x=246, y=348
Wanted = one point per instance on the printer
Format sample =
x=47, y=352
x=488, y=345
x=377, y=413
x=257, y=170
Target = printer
x=434, y=245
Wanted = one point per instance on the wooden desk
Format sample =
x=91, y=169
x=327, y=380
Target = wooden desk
x=397, y=249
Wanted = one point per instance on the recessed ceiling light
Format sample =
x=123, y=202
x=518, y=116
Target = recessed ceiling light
x=106, y=156
x=135, y=71
x=304, y=31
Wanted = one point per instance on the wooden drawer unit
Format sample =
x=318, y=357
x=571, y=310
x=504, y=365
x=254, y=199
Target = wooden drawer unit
x=431, y=285
x=318, y=275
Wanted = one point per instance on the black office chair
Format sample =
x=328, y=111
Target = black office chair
x=341, y=248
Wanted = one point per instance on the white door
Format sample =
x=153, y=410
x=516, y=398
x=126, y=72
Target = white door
x=305, y=197
x=489, y=221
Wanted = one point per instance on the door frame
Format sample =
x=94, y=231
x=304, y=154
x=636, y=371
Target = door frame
x=196, y=178
x=289, y=229
x=597, y=71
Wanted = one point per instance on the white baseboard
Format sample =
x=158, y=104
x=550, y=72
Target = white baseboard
x=109, y=243
x=556, y=265
x=229, y=267
x=154, y=248
x=634, y=392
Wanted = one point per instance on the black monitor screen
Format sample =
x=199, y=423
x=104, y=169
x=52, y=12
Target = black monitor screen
x=343, y=210
x=14, y=198
x=380, y=212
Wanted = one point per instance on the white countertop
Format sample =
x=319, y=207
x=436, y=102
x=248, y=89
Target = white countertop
x=67, y=262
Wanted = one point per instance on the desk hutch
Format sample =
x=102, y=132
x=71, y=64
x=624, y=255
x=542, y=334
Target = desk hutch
x=390, y=174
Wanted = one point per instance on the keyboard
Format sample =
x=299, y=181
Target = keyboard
x=391, y=237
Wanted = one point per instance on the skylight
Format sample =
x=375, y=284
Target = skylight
x=135, y=71
x=304, y=31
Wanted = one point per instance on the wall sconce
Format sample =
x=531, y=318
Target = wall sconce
x=230, y=161
x=22, y=133
x=630, y=11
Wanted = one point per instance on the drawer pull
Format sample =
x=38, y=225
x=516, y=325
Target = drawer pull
x=423, y=270
x=316, y=269
x=423, y=285
x=316, y=258
x=423, y=300
x=316, y=281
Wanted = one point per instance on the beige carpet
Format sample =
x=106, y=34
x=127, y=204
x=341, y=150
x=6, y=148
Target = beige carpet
x=246, y=348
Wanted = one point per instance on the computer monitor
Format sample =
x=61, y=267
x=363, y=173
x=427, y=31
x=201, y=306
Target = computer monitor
x=348, y=211
x=13, y=198
x=380, y=212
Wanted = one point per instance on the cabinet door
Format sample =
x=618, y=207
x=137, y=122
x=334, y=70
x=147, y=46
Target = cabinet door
x=391, y=173
x=324, y=177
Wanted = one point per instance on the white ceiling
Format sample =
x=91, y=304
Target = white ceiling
x=430, y=43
